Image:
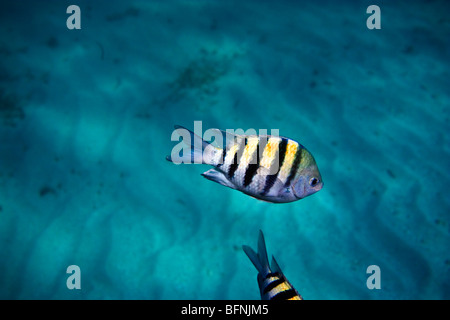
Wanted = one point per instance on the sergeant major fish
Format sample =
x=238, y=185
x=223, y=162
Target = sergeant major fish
x=273, y=285
x=267, y=167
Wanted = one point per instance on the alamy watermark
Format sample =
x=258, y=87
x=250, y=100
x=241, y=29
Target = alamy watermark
x=74, y=280
x=374, y=20
x=374, y=280
x=74, y=20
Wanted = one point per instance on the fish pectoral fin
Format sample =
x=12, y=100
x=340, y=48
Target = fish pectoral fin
x=264, y=171
x=219, y=177
x=277, y=186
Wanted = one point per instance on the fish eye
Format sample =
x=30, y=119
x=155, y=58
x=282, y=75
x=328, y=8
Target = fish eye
x=313, y=182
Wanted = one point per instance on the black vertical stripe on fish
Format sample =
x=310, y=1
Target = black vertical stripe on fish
x=254, y=161
x=224, y=154
x=272, y=285
x=295, y=165
x=237, y=156
x=272, y=275
x=285, y=295
x=270, y=181
x=281, y=154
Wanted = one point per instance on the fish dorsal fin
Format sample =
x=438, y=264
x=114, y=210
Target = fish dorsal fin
x=229, y=135
x=275, y=267
x=262, y=254
x=228, y=138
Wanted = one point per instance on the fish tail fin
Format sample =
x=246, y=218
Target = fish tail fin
x=199, y=150
x=259, y=260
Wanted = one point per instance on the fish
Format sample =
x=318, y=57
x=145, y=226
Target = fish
x=272, y=283
x=266, y=167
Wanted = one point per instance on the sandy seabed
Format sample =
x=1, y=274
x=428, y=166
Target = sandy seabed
x=86, y=118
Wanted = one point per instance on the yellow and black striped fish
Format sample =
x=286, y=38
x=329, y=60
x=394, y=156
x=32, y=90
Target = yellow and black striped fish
x=270, y=168
x=273, y=285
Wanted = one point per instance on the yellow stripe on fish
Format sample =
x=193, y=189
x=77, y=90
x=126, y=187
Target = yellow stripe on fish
x=246, y=160
x=291, y=153
x=250, y=149
x=276, y=287
x=269, y=154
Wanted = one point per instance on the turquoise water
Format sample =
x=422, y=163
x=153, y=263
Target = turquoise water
x=86, y=118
